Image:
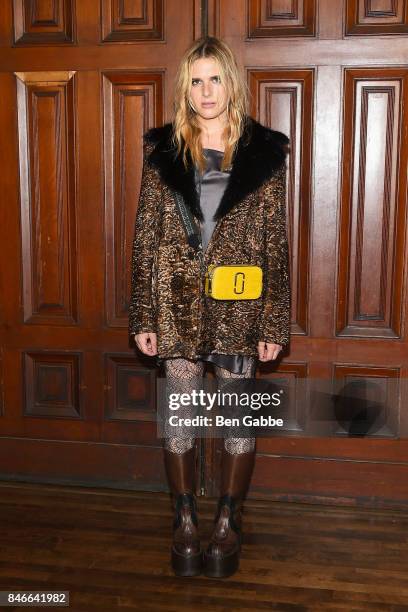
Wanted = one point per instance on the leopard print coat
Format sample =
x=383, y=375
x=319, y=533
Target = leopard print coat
x=167, y=293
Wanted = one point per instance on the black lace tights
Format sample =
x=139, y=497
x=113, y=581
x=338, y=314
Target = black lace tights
x=181, y=374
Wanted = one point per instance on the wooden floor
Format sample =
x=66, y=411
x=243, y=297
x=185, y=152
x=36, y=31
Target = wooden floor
x=110, y=549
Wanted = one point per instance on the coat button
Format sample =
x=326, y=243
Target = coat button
x=194, y=328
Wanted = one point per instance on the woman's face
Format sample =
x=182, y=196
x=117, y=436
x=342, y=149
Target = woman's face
x=207, y=94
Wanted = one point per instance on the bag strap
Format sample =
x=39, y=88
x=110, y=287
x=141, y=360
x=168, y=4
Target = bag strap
x=188, y=222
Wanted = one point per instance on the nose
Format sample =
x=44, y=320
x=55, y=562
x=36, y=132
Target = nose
x=206, y=90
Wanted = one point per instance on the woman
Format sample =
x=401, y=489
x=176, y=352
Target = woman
x=231, y=174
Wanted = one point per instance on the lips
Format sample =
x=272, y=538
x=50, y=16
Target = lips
x=208, y=104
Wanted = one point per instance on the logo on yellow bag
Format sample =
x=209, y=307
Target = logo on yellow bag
x=232, y=282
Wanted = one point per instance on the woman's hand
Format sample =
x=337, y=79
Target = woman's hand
x=268, y=351
x=147, y=343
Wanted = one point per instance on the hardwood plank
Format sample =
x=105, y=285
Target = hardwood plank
x=110, y=549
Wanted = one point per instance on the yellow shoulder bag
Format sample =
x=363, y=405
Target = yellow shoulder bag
x=233, y=282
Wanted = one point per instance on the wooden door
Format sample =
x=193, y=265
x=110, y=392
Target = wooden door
x=333, y=76
x=80, y=82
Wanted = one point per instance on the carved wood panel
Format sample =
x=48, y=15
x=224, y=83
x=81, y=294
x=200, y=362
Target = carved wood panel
x=132, y=102
x=376, y=17
x=292, y=377
x=46, y=107
x=132, y=20
x=367, y=401
x=44, y=22
x=373, y=207
x=284, y=100
x=274, y=18
x=130, y=390
x=52, y=384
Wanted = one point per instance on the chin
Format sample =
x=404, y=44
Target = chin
x=210, y=113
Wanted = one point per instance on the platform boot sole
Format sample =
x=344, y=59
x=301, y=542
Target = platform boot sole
x=221, y=567
x=186, y=566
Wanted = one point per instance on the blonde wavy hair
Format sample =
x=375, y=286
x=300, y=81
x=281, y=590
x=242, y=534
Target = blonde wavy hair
x=186, y=128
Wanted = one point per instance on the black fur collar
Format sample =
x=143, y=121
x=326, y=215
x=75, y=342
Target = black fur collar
x=260, y=151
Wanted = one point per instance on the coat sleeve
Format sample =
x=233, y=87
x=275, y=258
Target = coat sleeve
x=142, y=307
x=275, y=318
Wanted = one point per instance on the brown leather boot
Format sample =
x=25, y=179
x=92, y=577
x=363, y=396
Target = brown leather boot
x=221, y=559
x=186, y=553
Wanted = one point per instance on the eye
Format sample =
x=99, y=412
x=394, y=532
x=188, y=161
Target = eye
x=195, y=81
x=217, y=79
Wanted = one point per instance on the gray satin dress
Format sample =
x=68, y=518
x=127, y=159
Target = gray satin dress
x=213, y=184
